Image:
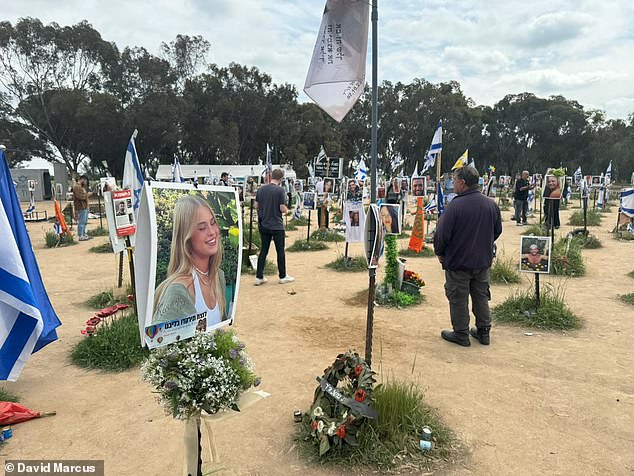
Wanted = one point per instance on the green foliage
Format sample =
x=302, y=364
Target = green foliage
x=589, y=242
x=391, y=261
x=552, y=312
x=115, y=346
x=628, y=298
x=355, y=264
x=327, y=235
x=102, y=248
x=392, y=441
x=301, y=221
x=536, y=230
x=566, y=259
x=593, y=218
x=290, y=226
x=623, y=235
x=6, y=396
x=303, y=245
x=504, y=271
x=101, y=300
x=256, y=239
x=426, y=252
x=99, y=231
x=53, y=241
x=403, y=299
x=270, y=269
x=631, y=274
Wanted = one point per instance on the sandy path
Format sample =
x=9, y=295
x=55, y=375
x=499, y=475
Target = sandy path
x=551, y=403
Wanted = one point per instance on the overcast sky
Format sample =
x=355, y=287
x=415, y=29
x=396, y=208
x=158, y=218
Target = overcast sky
x=583, y=50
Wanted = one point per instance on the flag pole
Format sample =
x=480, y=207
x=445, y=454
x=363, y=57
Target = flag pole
x=369, y=328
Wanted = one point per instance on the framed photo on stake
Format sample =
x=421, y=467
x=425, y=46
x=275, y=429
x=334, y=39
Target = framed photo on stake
x=391, y=218
x=535, y=254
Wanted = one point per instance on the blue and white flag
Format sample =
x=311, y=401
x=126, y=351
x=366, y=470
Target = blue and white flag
x=434, y=149
x=177, y=172
x=577, y=176
x=431, y=206
x=601, y=198
x=297, y=214
x=626, y=205
x=608, y=174
x=440, y=199
x=268, y=170
x=362, y=172
x=132, y=176
x=27, y=319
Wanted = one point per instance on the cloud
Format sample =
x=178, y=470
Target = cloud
x=552, y=28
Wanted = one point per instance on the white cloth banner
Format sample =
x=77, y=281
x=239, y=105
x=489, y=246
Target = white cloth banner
x=354, y=216
x=336, y=75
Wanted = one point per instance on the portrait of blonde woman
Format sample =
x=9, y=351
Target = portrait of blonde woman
x=194, y=282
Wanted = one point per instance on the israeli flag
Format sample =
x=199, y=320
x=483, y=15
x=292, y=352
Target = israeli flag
x=434, y=149
x=440, y=201
x=297, y=214
x=626, y=204
x=27, y=319
x=177, y=173
x=132, y=176
x=431, y=206
x=577, y=175
x=362, y=171
x=608, y=174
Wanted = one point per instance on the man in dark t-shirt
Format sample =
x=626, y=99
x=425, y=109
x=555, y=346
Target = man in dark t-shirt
x=270, y=200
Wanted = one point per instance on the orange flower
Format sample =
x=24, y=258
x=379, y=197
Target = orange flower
x=341, y=432
x=358, y=369
x=359, y=395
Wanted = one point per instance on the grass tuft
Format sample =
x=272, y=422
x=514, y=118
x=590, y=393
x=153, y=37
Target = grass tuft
x=6, y=396
x=303, y=245
x=566, y=259
x=426, y=252
x=631, y=274
x=392, y=441
x=504, y=271
x=102, y=248
x=327, y=235
x=99, y=231
x=115, y=346
x=269, y=269
x=627, y=298
x=590, y=242
x=355, y=264
x=552, y=313
x=593, y=218
x=624, y=235
x=301, y=221
x=536, y=230
x=52, y=240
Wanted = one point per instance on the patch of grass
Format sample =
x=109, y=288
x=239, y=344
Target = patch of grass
x=536, y=230
x=593, y=218
x=102, y=248
x=327, y=235
x=504, y=271
x=566, y=259
x=623, y=235
x=355, y=264
x=392, y=441
x=99, y=231
x=106, y=299
x=290, y=226
x=303, y=245
x=631, y=274
x=6, y=396
x=426, y=252
x=301, y=221
x=589, y=242
x=407, y=227
x=52, y=240
x=269, y=269
x=627, y=298
x=256, y=239
x=402, y=299
x=552, y=313
x=115, y=346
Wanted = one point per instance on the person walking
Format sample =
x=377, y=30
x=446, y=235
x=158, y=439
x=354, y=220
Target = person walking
x=80, y=202
x=520, y=198
x=464, y=242
x=270, y=201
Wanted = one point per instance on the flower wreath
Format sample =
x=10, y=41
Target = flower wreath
x=337, y=414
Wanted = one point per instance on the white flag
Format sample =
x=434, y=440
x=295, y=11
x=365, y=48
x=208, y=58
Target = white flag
x=177, y=173
x=336, y=75
x=415, y=172
x=132, y=176
x=362, y=171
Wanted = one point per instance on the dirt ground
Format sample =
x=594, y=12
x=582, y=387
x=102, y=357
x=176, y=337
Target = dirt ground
x=549, y=403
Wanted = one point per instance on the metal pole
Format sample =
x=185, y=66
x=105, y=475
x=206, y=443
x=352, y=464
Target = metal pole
x=346, y=253
x=369, y=327
x=250, y=225
x=537, y=288
x=99, y=203
x=308, y=229
x=585, y=215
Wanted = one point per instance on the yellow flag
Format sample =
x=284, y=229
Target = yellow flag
x=462, y=161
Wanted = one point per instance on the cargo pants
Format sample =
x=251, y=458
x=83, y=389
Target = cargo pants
x=459, y=285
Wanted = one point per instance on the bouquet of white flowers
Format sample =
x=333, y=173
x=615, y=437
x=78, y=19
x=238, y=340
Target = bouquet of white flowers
x=205, y=373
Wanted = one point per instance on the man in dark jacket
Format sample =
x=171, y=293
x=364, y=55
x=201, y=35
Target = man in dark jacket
x=520, y=198
x=464, y=244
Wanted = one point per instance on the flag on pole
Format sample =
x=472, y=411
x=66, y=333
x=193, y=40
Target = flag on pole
x=434, y=149
x=626, y=205
x=297, y=214
x=268, y=170
x=431, y=206
x=462, y=161
x=27, y=319
x=601, y=198
x=472, y=163
x=415, y=172
x=577, y=175
x=336, y=74
x=440, y=203
x=362, y=172
x=132, y=176
x=608, y=174
x=177, y=172
x=322, y=155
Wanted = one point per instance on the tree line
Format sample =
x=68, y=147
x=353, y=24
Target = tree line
x=70, y=96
